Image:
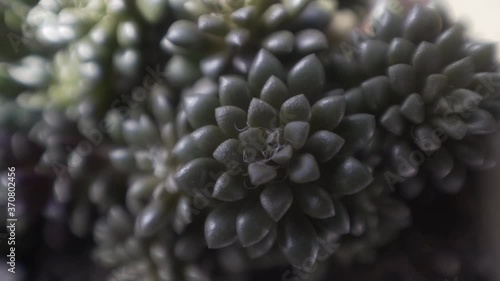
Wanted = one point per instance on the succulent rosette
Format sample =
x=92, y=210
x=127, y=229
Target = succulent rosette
x=215, y=36
x=275, y=153
x=432, y=90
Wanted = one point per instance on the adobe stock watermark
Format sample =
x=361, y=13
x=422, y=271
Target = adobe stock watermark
x=310, y=264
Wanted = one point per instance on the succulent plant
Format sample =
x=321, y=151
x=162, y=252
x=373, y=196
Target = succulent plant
x=275, y=153
x=432, y=90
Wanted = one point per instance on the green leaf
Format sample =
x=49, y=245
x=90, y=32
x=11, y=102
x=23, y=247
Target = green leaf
x=427, y=59
x=253, y=224
x=351, y=177
x=413, y=108
x=263, y=246
x=297, y=133
x=197, y=174
x=229, y=153
x=152, y=219
x=357, y=130
x=310, y=41
x=233, y=90
x=324, y=145
x=304, y=169
x=403, y=80
x=307, y=77
x=393, y=121
x=261, y=173
x=460, y=73
x=261, y=114
x=422, y=24
x=297, y=239
x=274, y=92
x=296, y=108
x=327, y=113
x=373, y=57
x=263, y=67
x=230, y=187
x=276, y=199
x=208, y=138
x=314, y=201
x=400, y=51
x=377, y=93
x=231, y=120
x=280, y=42
x=200, y=109
x=220, y=226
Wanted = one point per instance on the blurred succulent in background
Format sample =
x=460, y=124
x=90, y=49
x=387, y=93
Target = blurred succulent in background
x=432, y=90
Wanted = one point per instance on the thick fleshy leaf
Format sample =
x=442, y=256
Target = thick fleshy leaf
x=294, y=6
x=298, y=239
x=197, y=173
x=306, y=77
x=324, y=145
x=262, y=247
x=304, y=169
x=208, y=138
x=422, y=24
x=460, y=73
x=296, y=108
x=122, y=159
x=261, y=173
x=339, y=224
x=440, y=163
x=200, y=109
x=245, y=15
x=231, y=119
x=351, y=177
x=355, y=101
x=185, y=34
x=314, y=201
x=238, y=38
x=404, y=160
x=297, y=133
x=373, y=57
x=274, y=16
x=449, y=40
x=310, y=41
x=425, y=137
x=377, y=93
x=400, y=51
x=152, y=10
x=357, y=130
x=279, y=43
x=263, y=67
x=435, y=86
x=327, y=113
x=393, y=121
x=261, y=114
x=233, y=90
x=427, y=59
x=389, y=25
x=464, y=100
x=486, y=84
x=413, y=108
x=187, y=149
x=451, y=127
x=212, y=23
x=402, y=79
x=283, y=154
x=230, y=187
x=213, y=65
x=151, y=219
x=253, y=224
x=483, y=55
x=412, y=187
x=220, y=226
x=481, y=122
x=274, y=92
x=276, y=199
x=453, y=182
x=229, y=153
